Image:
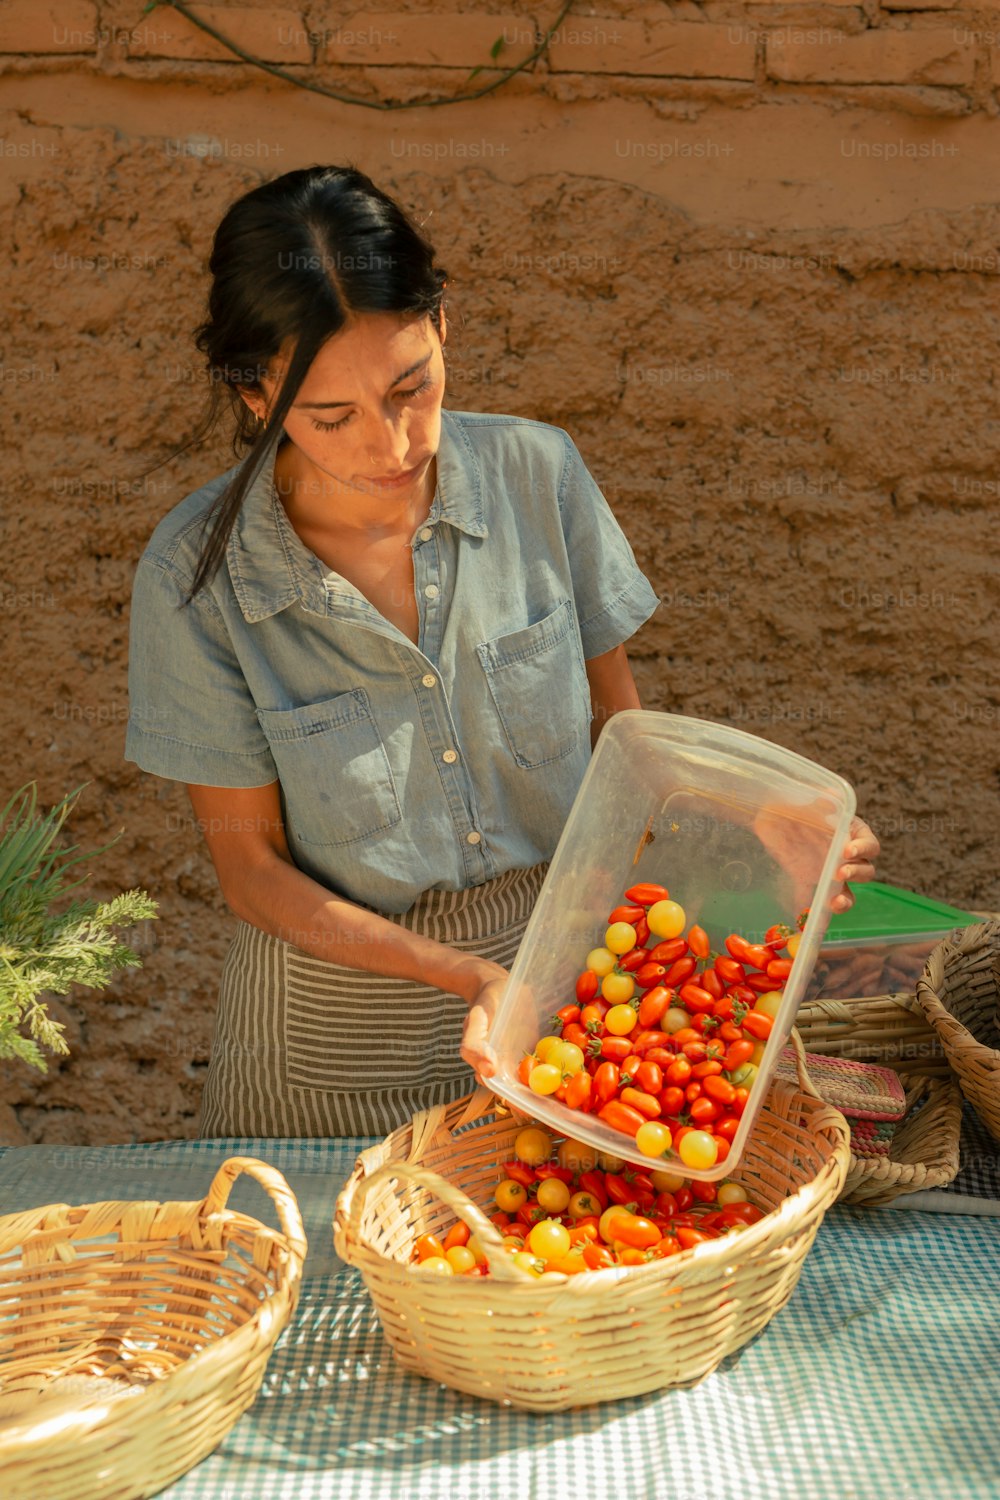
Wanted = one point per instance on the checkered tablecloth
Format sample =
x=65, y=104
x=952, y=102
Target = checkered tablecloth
x=880, y=1378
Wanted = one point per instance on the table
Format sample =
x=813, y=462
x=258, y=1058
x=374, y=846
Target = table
x=880, y=1378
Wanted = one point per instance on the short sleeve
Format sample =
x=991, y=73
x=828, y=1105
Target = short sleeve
x=192, y=717
x=613, y=596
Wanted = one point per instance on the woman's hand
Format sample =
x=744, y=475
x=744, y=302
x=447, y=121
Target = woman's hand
x=491, y=980
x=860, y=853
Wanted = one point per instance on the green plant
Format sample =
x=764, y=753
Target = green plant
x=43, y=951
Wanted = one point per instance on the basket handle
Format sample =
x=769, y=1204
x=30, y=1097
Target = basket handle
x=497, y=1259
x=805, y=1082
x=277, y=1190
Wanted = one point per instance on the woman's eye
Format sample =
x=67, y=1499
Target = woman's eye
x=416, y=390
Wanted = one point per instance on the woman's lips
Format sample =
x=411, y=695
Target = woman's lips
x=394, y=482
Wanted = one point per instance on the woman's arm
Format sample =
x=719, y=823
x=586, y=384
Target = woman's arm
x=612, y=688
x=262, y=885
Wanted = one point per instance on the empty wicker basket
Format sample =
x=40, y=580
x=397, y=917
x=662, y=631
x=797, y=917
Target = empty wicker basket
x=959, y=991
x=133, y=1335
x=892, y=1030
x=601, y=1335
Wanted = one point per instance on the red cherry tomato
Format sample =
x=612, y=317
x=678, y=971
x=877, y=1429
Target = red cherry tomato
x=667, y=951
x=680, y=971
x=703, y=1111
x=779, y=968
x=761, y=984
x=709, y=980
x=641, y=930
x=593, y=1182
x=696, y=998
x=606, y=1082
x=634, y=960
x=679, y=1072
x=649, y=975
x=729, y=970
x=704, y=1192
x=738, y=1053
x=630, y=914
x=719, y=1089
x=617, y=1048
x=647, y=895
x=587, y=986
x=672, y=1100
x=758, y=1024
x=649, y=1077
x=654, y=1005
x=518, y=1172
x=726, y=1127
x=579, y=1090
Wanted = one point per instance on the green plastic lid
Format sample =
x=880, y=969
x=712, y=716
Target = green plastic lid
x=889, y=911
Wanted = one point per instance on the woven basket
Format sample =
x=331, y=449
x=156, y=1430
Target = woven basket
x=133, y=1335
x=892, y=1030
x=601, y=1335
x=959, y=991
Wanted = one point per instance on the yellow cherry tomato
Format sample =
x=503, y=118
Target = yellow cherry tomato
x=601, y=960
x=460, y=1258
x=609, y=1162
x=476, y=1248
x=569, y=1057
x=676, y=1019
x=436, y=1264
x=508, y=1196
x=668, y=1182
x=545, y=1078
x=666, y=919
x=546, y=1046
x=533, y=1145
x=617, y=988
x=548, y=1239
x=620, y=1020
x=793, y=944
x=757, y=1054
x=529, y=1262
x=653, y=1138
x=731, y=1192
x=698, y=1149
x=770, y=1003
x=620, y=937
x=553, y=1195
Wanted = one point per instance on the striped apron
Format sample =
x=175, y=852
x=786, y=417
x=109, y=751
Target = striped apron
x=305, y=1047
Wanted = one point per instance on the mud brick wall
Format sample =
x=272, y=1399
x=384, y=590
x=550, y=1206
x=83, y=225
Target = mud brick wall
x=747, y=254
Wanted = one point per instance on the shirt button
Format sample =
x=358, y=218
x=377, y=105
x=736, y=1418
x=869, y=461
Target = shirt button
x=450, y=756
x=431, y=591
x=473, y=838
x=429, y=680
x=426, y=534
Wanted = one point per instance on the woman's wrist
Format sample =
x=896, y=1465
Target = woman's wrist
x=470, y=974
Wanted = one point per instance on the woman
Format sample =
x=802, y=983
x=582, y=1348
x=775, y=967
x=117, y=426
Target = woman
x=378, y=653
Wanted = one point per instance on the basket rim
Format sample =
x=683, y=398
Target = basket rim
x=955, y=1036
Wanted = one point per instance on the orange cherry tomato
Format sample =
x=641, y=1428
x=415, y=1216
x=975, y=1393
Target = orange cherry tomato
x=579, y=1090
x=698, y=942
x=779, y=968
x=606, y=1081
x=654, y=1005
x=620, y=1117
x=758, y=1024
x=649, y=1077
x=646, y=1104
x=427, y=1245
x=458, y=1234
x=719, y=1089
x=697, y=998
x=636, y=1231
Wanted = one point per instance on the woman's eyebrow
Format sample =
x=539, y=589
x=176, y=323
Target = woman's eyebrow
x=319, y=405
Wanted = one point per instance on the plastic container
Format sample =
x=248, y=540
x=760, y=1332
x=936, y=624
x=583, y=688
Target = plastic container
x=881, y=945
x=742, y=832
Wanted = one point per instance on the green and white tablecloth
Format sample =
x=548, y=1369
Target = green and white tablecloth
x=881, y=1378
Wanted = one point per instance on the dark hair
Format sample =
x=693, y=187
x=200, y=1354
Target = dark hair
x=293, y=259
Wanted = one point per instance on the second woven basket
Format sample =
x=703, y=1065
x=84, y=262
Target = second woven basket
x=959, y=992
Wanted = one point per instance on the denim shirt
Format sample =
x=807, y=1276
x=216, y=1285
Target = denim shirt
x=402, y=768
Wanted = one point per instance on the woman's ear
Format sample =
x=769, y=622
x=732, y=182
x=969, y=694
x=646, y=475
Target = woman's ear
x=254, y=401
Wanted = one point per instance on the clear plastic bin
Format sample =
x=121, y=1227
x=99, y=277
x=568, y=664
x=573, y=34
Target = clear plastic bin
x=881, y=945
x=742, y=832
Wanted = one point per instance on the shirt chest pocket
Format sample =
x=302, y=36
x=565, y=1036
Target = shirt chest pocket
x=538, y=681
x=335, y=775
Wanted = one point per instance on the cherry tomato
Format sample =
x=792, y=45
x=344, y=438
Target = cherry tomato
x=648, y=975
x=719, y=1089
x=636, y=1231
x=620, y=1117
x=647, y=895
x=726, y=1127
x=758, y=955
x=587, y=986
x=672, y=1101
x=698, y=1149
x=777, y=936
x=606, y=1081
x=760, y=983
x=737, y=946
x=710, y=1068
x=629, y=914
x=688, y=1238
x=646, y=1104
x=579, y=1091
x=593, y=1013
x=779, y=968
x=680, y=971
x=702, y=1112
x=544, y=1078
x=654, y=1005
x=654, y=1138
x=620, y=938
x=635, y=959
x=548, y=1239
x=524, y=1068
x=649, y=1077
x=666, y=919
x=553, y=1195
x=758, y=1024
x=668, y=952
x=709, y=980
x=617, y=1048
x=679, y=1072
x=628, y=1068
x=646, y=1041
x=519, y=1171
x=458, y=1234
x=696, y=998
x=683, y=1194
x=738, y=1053
x=730, y=1032
x=729, y=970
x=428, y=1245
x=597, y=1257
x=698, y=942
x=641, y=932
x=509, y=1196
x=619, y=989
x=593, y=1184
x=661, y=1056
x=666, y=1205
x=704, y=1192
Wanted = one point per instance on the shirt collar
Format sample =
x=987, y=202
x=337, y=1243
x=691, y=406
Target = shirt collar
x=271, y=567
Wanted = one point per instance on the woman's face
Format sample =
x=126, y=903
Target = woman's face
x=366, y=422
